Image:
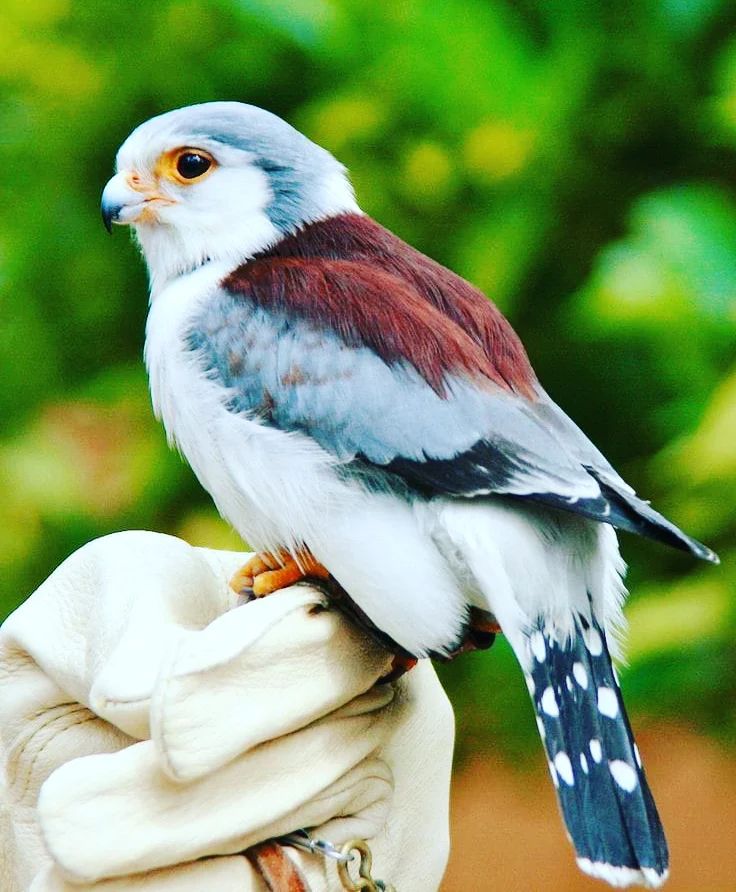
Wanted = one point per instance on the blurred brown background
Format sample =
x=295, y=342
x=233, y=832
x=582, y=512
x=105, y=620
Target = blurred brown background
x=576, y=160
x=507, y=833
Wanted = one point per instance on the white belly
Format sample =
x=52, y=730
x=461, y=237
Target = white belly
x=268, y=484
x=280, y=489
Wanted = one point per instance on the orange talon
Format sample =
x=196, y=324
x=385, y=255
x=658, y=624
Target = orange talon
x=400, y=665
x=265, y=572
x=242, y=580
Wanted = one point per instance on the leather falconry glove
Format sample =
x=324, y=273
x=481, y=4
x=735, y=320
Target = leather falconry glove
x=154, y=728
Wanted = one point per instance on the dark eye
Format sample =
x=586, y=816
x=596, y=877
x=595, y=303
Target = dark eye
x=191, y=165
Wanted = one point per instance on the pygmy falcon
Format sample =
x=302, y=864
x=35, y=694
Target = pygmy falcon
x=356, y=409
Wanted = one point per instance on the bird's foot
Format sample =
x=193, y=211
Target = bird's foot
x=479, y=635
x=267, y=572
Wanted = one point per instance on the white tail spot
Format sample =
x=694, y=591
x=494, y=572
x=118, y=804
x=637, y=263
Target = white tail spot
x=564, y=768
x=607, y=702
x=623, y=774
x=593, y=642
x=595, y=749
x=581, y=676
x=549, y=703
x=539, y=648
x=637, y=755
x=553, y=774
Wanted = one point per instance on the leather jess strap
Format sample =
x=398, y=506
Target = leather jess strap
x=279, y=872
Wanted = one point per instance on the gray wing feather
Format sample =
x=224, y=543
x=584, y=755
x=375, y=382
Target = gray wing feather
x=299, y=378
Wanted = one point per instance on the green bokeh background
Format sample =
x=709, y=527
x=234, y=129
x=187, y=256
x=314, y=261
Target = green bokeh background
x=576, y=160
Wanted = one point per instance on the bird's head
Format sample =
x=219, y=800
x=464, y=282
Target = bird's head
x=219, y=181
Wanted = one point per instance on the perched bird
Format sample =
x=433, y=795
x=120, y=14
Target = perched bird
x=355, y=408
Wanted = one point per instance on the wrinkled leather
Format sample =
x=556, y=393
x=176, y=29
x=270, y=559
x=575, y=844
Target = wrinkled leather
x=153, y=727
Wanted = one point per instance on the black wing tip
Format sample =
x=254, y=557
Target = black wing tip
x=706, y=554
x=661, y=530
x=629, y=512
x=676, y=538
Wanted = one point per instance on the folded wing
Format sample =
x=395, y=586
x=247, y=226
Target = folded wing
x=397, y=391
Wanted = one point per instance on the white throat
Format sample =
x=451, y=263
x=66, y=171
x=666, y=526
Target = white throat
x=185, y=238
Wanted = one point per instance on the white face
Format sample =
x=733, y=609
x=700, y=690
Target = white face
x=219, y=182
x=189, y=204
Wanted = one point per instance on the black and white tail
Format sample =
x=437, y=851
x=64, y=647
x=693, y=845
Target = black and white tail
x=594, y=762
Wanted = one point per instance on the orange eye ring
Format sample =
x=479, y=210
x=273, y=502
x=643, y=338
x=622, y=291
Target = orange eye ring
x=186, y=165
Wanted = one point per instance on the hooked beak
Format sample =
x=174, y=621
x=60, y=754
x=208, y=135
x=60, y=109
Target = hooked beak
x=124, y=205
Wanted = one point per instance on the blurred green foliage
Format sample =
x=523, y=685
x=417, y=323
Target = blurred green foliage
x=576, y=160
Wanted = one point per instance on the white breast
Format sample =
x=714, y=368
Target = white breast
x=272, y=486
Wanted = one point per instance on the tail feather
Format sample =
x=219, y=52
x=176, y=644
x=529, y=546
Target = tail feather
x=594, y=762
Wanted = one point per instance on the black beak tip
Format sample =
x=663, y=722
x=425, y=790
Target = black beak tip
x=107, y=217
